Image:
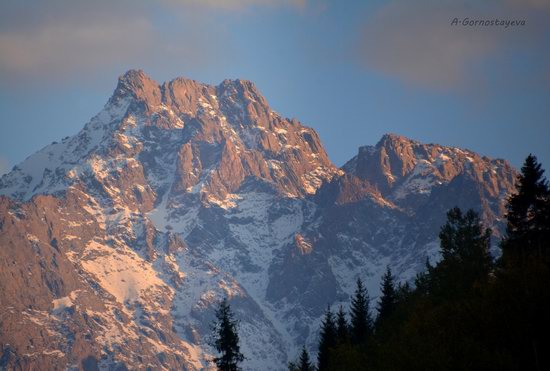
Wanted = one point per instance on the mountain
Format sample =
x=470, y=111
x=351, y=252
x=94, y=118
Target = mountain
x=416, y=176
x=116, y=244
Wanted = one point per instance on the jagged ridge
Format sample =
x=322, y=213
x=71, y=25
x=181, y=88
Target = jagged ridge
x=177, y=194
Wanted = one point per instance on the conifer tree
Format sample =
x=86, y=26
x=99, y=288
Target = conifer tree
x=528, y=227
x=388, y=300
x=465, y=253
x=226, y=339
x=327, y=340
x=304, y=363
x=342, y=327
x=525, y=272
x=361, y=320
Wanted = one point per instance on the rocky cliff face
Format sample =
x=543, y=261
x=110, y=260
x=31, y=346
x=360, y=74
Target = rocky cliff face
x=117, y=243
x=425, y=179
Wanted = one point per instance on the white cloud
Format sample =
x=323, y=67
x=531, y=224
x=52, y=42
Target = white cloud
x=57, y=39
x=65, y=46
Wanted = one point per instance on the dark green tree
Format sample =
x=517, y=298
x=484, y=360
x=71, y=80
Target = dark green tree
x=522, y=280
x=226, y=339
x=361, y=320
x=528, y=227
x=342, y=327
x=388, y=299
x=327, y=340
x=304, y=362
x=442, y=323
x=465, y=257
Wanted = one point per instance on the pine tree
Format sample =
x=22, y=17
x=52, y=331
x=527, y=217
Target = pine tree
x=525, y=271
x=327, y=340
x=528, y=227
x=465, y=254
x=388, y=300
x=361, y=321
x=304, y=363
x=342, y=327
x=226, y=339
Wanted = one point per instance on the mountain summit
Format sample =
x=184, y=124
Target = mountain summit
x=411, y=174
x=210, y=138
x=118, y=242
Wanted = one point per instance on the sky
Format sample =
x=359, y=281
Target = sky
x=352, y=70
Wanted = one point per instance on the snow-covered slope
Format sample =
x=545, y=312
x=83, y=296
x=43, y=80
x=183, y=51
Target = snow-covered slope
x=178, y=194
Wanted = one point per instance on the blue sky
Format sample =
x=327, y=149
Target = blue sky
x=353, y=70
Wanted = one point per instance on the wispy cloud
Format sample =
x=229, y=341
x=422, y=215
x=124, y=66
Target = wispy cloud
x=74, y=44
x=58, y=39
x=416, y=42
x=240, y=4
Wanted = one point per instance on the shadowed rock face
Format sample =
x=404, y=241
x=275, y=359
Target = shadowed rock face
x=117, y=243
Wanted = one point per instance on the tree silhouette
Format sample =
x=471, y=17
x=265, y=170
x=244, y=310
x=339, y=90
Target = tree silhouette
x=465, y=254
x=342, y=327
x=528, y=227
x=361, y=320
x=226, y=339
x=327, y=340
x=304, y=362
x=388, y=300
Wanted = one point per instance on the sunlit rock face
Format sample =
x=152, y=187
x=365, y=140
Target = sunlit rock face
x=117, y=243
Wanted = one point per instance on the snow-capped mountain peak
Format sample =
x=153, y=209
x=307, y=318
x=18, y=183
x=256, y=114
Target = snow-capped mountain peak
x=118, y=242
x=409, y=173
